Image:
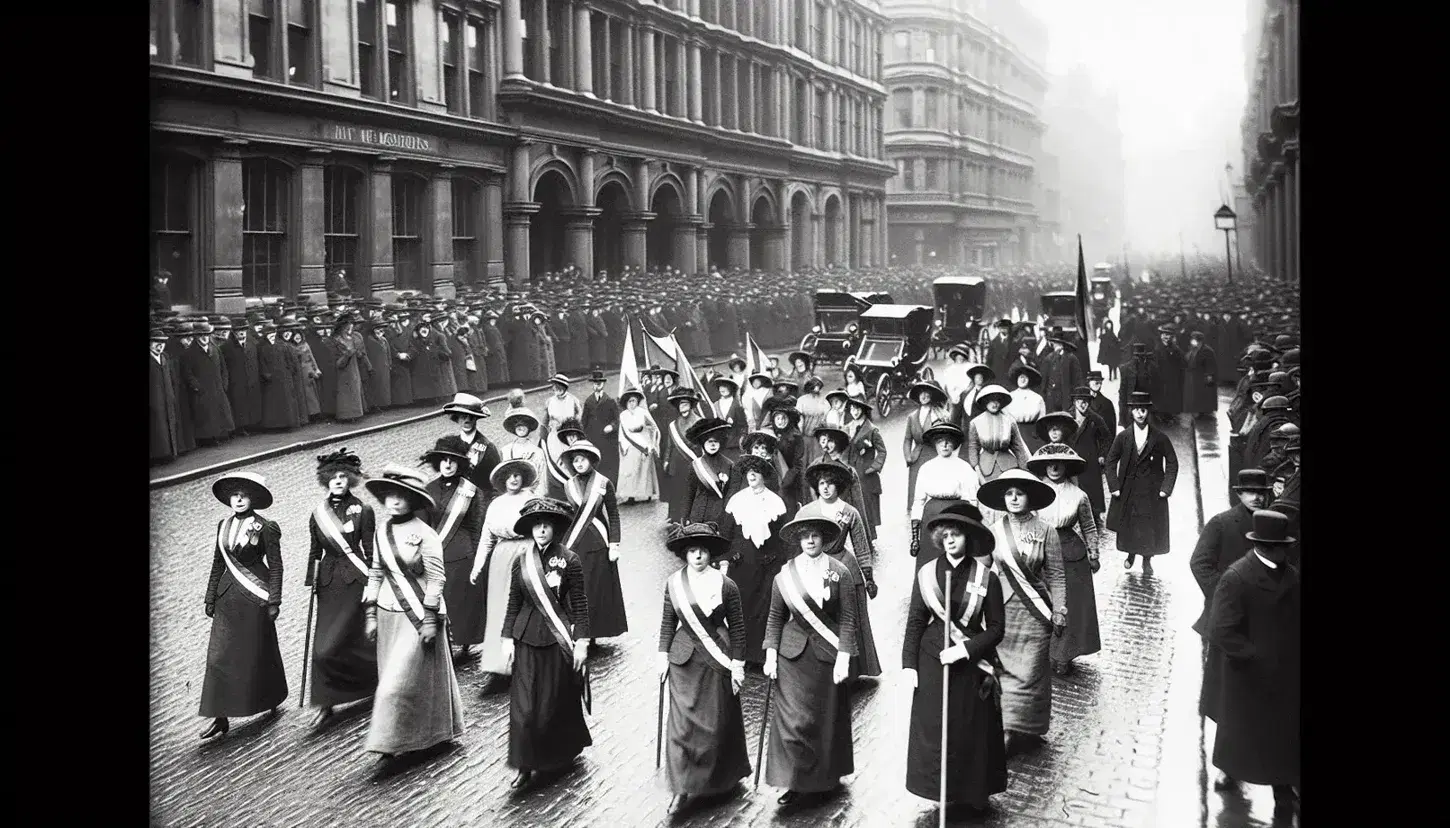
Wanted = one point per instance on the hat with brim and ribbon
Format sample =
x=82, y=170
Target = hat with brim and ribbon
x=681, y=538
x=253, y=485
x=403, y=482
x=1140, y=399
x=718, y=382
x=989, y=393
x=1271, y=528
x=518, y=416
x=860, y=401
x=828, y=529
x=734, y=361
x=582, y=447
x=1056, y=453
x=838, y=394
x=780, y=405
x=1060, y=419
x=837, y=434
x=1253, y=480
x=992, y=494
x=752, y=463
x=785, y=387
x=967, y=518
x=943, y=431
x=707, y=428
x=466, y=404
x=632, y=393
x=759, y=438
x=544, y=510
x=570, y=426
x=501, y=473
x=560, y=380
x=938, y=394
x=1082, y=392
x=683, y=393
x=451, y=447
x=763, y=377
x=1034, y=376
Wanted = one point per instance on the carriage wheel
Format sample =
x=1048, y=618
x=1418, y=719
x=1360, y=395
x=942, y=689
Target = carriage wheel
x=927, y=375
x=883, y=395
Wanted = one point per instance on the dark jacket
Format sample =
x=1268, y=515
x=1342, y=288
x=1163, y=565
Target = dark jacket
x=789, y=635
x=1220, y=543
x=528, y=624
x=677, y=637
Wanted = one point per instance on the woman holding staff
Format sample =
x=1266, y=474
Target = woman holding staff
x=497, y=549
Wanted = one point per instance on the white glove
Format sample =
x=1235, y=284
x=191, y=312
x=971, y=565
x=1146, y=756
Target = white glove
x=613, y=552
x=724, y=567
x=662, y=663
x=737, y=676
x=843, y=668
x=954, y=653
x=769, y=668
x=581, y=652
x=508, y=653
x=908, y=677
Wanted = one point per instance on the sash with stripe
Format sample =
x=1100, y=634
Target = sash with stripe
x=554, y=460
x=228, y=537
x=332, y=530
x=803, y=603
x=932, y=596
x=643, y=449
x=1039, y=604
x=533, y=569
x=405, y=587
x=689, y=611
x=706, y=475
x=457, y=506
x=588, y=509
x=681, y=443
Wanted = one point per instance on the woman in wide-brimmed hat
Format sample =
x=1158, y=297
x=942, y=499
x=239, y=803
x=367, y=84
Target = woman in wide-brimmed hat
x=836, y=415
x=978, y=766
x=522, y=424
x=994, y=442
x=705, y=488
x=965, y=406
x=566, y=433
x=932, y=408
x=944, y=479
x=341, y=528
x=834, y=443
x=1057, y=427
x=782, y=421
x=550, y=677
x=594, y=536
x=639, y=446
x=853, y=547
x=810, y=746
x=1027, y=405
x=751, y=524
x=866, y=453
x=458, y=520
x=813, y=407
x=702, y=650
x=498, y=546
x=1072, y=515
x=417, y=704
x=679, y=452
x=1029, y=558
x=244, y=674
x=761, y=389
x=732, y=411
x=803, y=366
x=561, y=404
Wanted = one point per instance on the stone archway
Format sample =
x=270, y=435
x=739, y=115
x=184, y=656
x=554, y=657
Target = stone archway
x=613, y=203
x=547, y=248
x=763, y=219
x=722, y=216
x=660, y=238
x=833, y=230
x=800, y=232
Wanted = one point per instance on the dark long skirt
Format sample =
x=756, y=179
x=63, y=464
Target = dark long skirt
x=606, y=597
x=546, y=714
x=754, y=576
x=344, y=662
x=872, y=513
x=1026, y=674
x=464, y=602
x=705, y=750
x=1081, y=636
x=866, y=662
x=418, y=704
x=810, y=746
x=976, y=755
x=912, y=470
x=244, y=674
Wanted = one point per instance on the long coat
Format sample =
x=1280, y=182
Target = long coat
x=867, y=455
x=1110, y=351
x=1200, y=381
x=1093, y=440
x=1103, y=407
x=1220, y=543
x=324, y=361
x=1135, y=375
x=1063, y=375
x=165, y=442
x=211, y=412
x=378, y=384
x=430, y=359
x=244, y=386
x=600, y=413
x=1254, y=660
x=1138, y=514
x=401, y=374
x=497, y=356
x=350, y=361
x=279, y=397
x=1168, y=391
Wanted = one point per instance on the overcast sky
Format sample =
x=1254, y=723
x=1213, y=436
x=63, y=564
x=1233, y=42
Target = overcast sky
x=1178, y=67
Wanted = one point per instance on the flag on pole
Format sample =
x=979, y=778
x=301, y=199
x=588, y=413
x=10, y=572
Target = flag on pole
x=757, y=361
x=687, y=374
x=1084, y=301
x=659, y=350
x=629, y=366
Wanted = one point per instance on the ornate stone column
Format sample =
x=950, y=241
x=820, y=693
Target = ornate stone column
x=636, y=225
x=626, y=93
x=697, y=99
x=583, y=52
x=739, y=250
x=579, y=230
x=647, y=47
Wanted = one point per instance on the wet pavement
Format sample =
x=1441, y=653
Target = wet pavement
x=1125, y=749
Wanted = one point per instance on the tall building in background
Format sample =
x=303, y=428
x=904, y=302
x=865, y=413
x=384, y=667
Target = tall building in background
x=1084, y=133
x=433, y=144
x=964, y=128
x=1271, y=139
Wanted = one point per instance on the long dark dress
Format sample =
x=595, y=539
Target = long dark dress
x=867, y=455
x=860, y=556
x=753, y=569
x=677, y=454
x=1200, y=384
x=702, y=503
x=464, y=601
x=344, y=663
x=601, y=575
x=810, y=745
x=1072, y=517
x=546, y=718
x=244, y=674
x=705, y=748
x=976, y=755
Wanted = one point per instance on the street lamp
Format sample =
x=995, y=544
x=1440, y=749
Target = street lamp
x=1227, y=221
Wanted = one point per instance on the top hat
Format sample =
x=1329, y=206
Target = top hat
x=1270, y=527
x=938, y=395
x=990, y=392
x=705, y=428
x=581, y=447
x=501, y=473
x=559, y=379
x=1140, y=399
x=1056, y=453
x=596, y=376
x=828, y=528
x=544, y=510
x=1039, y=494
x=1252, y=480
x=681, y=537
x=515, y=416
x=407, y=483
x=826, y=468
x=466, y=404
x=1062, y=420
x=1082, y=392
x=570, y=425
x=968, y=518
x=1034, y=376
x=254, y=485
x=750, y=440
x=940, y=430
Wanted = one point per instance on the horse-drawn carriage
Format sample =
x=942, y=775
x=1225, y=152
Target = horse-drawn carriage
x=960, y=301
x=837, y=331
x=895, y=346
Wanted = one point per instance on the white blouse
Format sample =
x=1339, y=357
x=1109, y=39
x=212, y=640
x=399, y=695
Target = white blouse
x=1027, y=406
x=945, y=477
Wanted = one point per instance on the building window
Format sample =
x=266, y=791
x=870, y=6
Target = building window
x=901, y=102
x=818, y=37
x=856, y=35
x=342, y=194
x=367, y=54
x=618, y=31
x=408, y=232
x=819, y=119
x=556, y=44
x=599, y=54
x=842, y=136
x=260, y=14
x=931, y=100
x=709, y=80
x=933, y=173
x=876, y=55
x=452, y=59
x=399, y=88
x=901, y=42
x=671, y=101
x=479, y=90
x=931, y=44
x=467, y=196
x=764, y=100
x=300, y=61
x=802, y=24
x=842, y=23
x=266, y=197
x=173, y=240
x=908, y=174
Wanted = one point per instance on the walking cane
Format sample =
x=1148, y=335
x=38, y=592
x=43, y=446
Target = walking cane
x=764, y=725
x=945, y=679
x=660, y=723
x=307, y=635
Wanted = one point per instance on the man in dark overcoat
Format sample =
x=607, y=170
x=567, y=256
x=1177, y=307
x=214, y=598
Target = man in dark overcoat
x=211, y=412
x=163, y=408
x=325, y=354
x=1254, y=630
x=244, y=383
x=497, y=356
x=1138, y=375
x=1093, y=440
x=400, y=340
x=1220, y=544
x=1062, y=374
x=1100, y=404
x=1142, y=468
x=378, y=384
x=1200, y=381
x=601, y=426
x=1168, y=357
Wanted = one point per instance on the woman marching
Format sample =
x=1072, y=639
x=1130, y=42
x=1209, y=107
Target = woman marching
x=1029, y=561
x=679, y=453
x=1027, y=406
x=417, y=704
x=546, y=640
x=556, y=442
x=809, y=641
x=244, y=674
x=1071, y=514
x=702, y=651
x=994, y=443
x=639, y=445
x=967, y=407
x=976, y=756
x=932, y=409
x=755, y=554
x=783, y=422
x=344, y=663
x=944, y=479
x=709, y=473
x=522, y=423
x=594, y=537
x=458, y=520
x=494, y=560
x=867, y=455
x=813, y=407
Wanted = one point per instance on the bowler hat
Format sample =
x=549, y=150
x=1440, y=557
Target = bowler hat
x=1082, y=392
x=158, y=335
x=544, y=510
x=1252, y=480
x=254, y=485
x=596, y=376
x=407, y=483
x=1270, y=527
x=968, y=518
x=1140, y=399
x=466, y=404
x=1039, y=494
x=1094, y=375
x=449, y=446
x=681, y=537
x=828, y=528
x=501, y=473
x=1275, y=403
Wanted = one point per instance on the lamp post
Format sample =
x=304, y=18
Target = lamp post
x=1227, y=221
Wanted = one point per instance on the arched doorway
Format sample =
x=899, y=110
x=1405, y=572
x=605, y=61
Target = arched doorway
x=546, y=227
x=613, y=203
x=762, y=217
x=800, y=232
x=659, y=246
x=833, y=230
x=721, y=218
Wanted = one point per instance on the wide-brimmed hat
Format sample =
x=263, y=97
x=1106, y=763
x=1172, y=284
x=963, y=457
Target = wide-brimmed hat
x=940, y=430
x=450, y=446
x=570, y=425
x=582, y=447
x=1139, y=399
x=559, y=379
x=859, y=399
x=979, y=368
x=785, y=405
x=255, y=486
x=1056, y=453
x=1034, y=376
x=1062, y=420
x=514, y=416
x=1270, y=527
x=749, y=462
x=1252, y=480
x=1039, y=494
x=500, y=474
x=405, y=482
x=680, y=537
x=840, y=435
x=968, y=518
x=1062, y=339
x=813, y=474
x=990, y=392
x=706, y=427
x=761, y=375
x=667, y=372
x=631, y=392
x=828, y=528
x=544, y=509
x=719, y=381
x=1082, y=392
x=750, y=440
x=784, y=386
x=683, y=393
x=961, y=350
x=938, y=394
x=831, y=396
x=467, y=404
x=736, y=360
x=795, y=355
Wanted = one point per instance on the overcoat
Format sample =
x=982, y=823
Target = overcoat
x=1220, y=543
x=401, y=372
x=1062, y=375
x=244, y=386
x=378, y=384
x=1093, y=440
x=211, y=412
x=867, y=455
x=350, y=361
x=279, y=399
x=497, y=357
x=431, y=357
x=321, y=357
x=1138, y=514
x=1168, y=392
x=1200, y=381
x=163, y=410
x=1110, y=351
x=601, y=411
x=1135, y=375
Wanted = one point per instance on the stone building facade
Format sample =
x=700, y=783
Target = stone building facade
x=1269, y=230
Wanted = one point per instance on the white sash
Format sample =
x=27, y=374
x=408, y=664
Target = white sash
x=976, y=594
x=681, y=443
x=459, y=504
x=685, y=608
x=587, y=509
x=553, y=460
x=791, y=591
x=1007, y=565
x=327, y=522
x=533, y=570
x=402, y=587
x=247, y=579
x=706, y=475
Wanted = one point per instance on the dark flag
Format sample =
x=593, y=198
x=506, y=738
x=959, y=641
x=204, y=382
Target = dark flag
x=1084, y=303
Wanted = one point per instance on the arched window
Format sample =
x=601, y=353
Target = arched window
x=173, y=225
x=341, y=235
x=408, y=233
x=467, y=212
x=266, y=199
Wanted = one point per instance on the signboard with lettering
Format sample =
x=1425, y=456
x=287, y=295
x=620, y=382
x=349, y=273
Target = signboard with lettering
x=380, y=138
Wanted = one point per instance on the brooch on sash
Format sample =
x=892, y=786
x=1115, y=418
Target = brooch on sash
x=413, y=540
x=831, y=576
x=354, y=509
